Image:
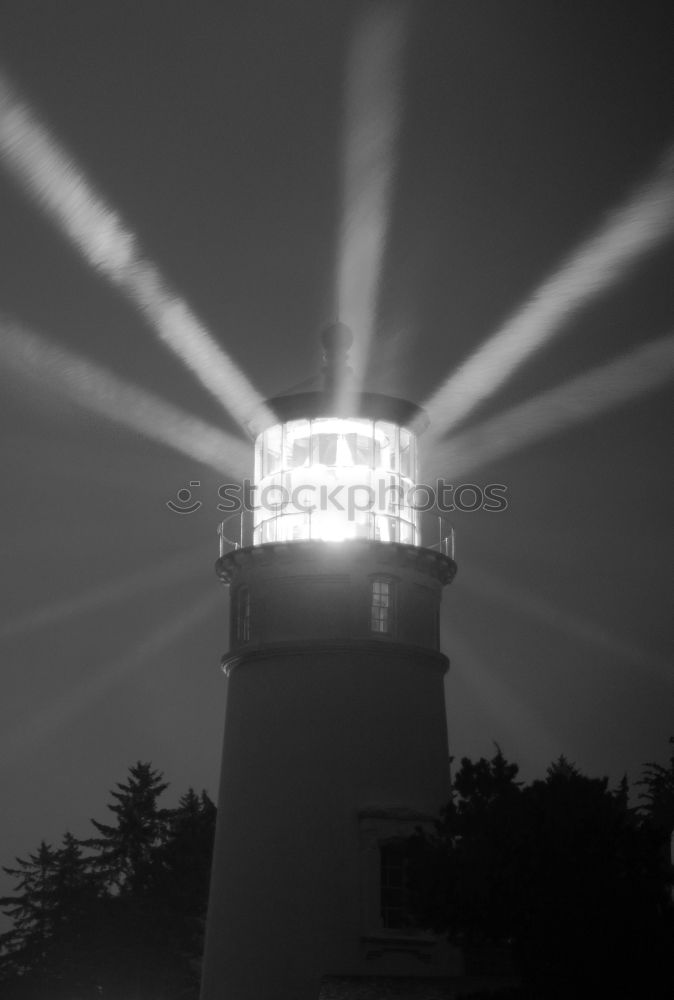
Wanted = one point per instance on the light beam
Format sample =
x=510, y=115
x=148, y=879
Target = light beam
x=46, y=172
x=570, y=624
x=125, y=587
x=66, y=373
x=646, y=220
x=513, y=720
x=371, y=122
x=642, y=370
x=44, y=723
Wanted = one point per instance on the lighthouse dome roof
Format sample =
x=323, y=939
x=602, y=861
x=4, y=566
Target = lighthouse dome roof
x=330, y=393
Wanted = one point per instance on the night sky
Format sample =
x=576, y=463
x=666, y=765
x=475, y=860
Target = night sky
x=216, y=131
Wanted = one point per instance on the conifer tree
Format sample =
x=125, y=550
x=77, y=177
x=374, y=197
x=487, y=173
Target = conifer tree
x=658, y=794
x=185, y=856
x=50, y=950
x=123, y=921
x=182, y=878
x=77, y=922
x=25, y=947
x=560, y=871
x=123, y=857
x=132, y=960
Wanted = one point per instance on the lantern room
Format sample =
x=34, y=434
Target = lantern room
x=331, y=478
x=333, y=464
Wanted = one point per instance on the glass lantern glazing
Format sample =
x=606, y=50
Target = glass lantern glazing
x=335, y=478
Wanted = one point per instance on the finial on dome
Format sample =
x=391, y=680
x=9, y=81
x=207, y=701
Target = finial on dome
x=337, y=339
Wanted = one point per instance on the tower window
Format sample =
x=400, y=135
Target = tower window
x=395, y=904
x=243, y=614
x=381, y=608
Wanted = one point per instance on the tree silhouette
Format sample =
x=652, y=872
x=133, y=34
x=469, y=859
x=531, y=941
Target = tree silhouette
x=124, y=853
x=119, y=916
x=181, y=881
x=51, y=949
x=152, y=935
x=658, y=782
x=593, y=887
x=75, y=915
x=27, y=944
x=561, y=871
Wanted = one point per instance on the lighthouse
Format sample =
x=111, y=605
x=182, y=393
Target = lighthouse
x=335, y=736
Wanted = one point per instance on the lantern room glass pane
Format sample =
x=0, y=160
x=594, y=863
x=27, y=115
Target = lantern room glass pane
x=408, y=464
x=335, y=478
x=272, y=451
x=297, y=451
x=386, y=435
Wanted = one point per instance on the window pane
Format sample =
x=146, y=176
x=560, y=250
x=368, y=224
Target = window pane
x=394, y=899
x=381, y=606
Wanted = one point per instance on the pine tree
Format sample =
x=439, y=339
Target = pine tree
x=123, y=921
x=77, y=922
x=561, y=870
x=50, y=949
x=123, y=856
x=25, y=947
x=131, y=960
x=658, y=782
x=458, y=874
x=182, y=877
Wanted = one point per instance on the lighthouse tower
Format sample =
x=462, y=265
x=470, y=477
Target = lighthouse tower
x=335, y=741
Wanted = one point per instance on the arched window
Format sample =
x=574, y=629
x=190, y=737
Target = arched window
x=382, y=607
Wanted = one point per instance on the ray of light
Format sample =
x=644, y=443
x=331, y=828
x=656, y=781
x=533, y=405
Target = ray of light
x=512, y=719
x=570, y=624
x=124, y=587
x=43, y=724
x=31, y=356
x=646, y=220
x=371, y=122
x=642, y=370
x=46, y=171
